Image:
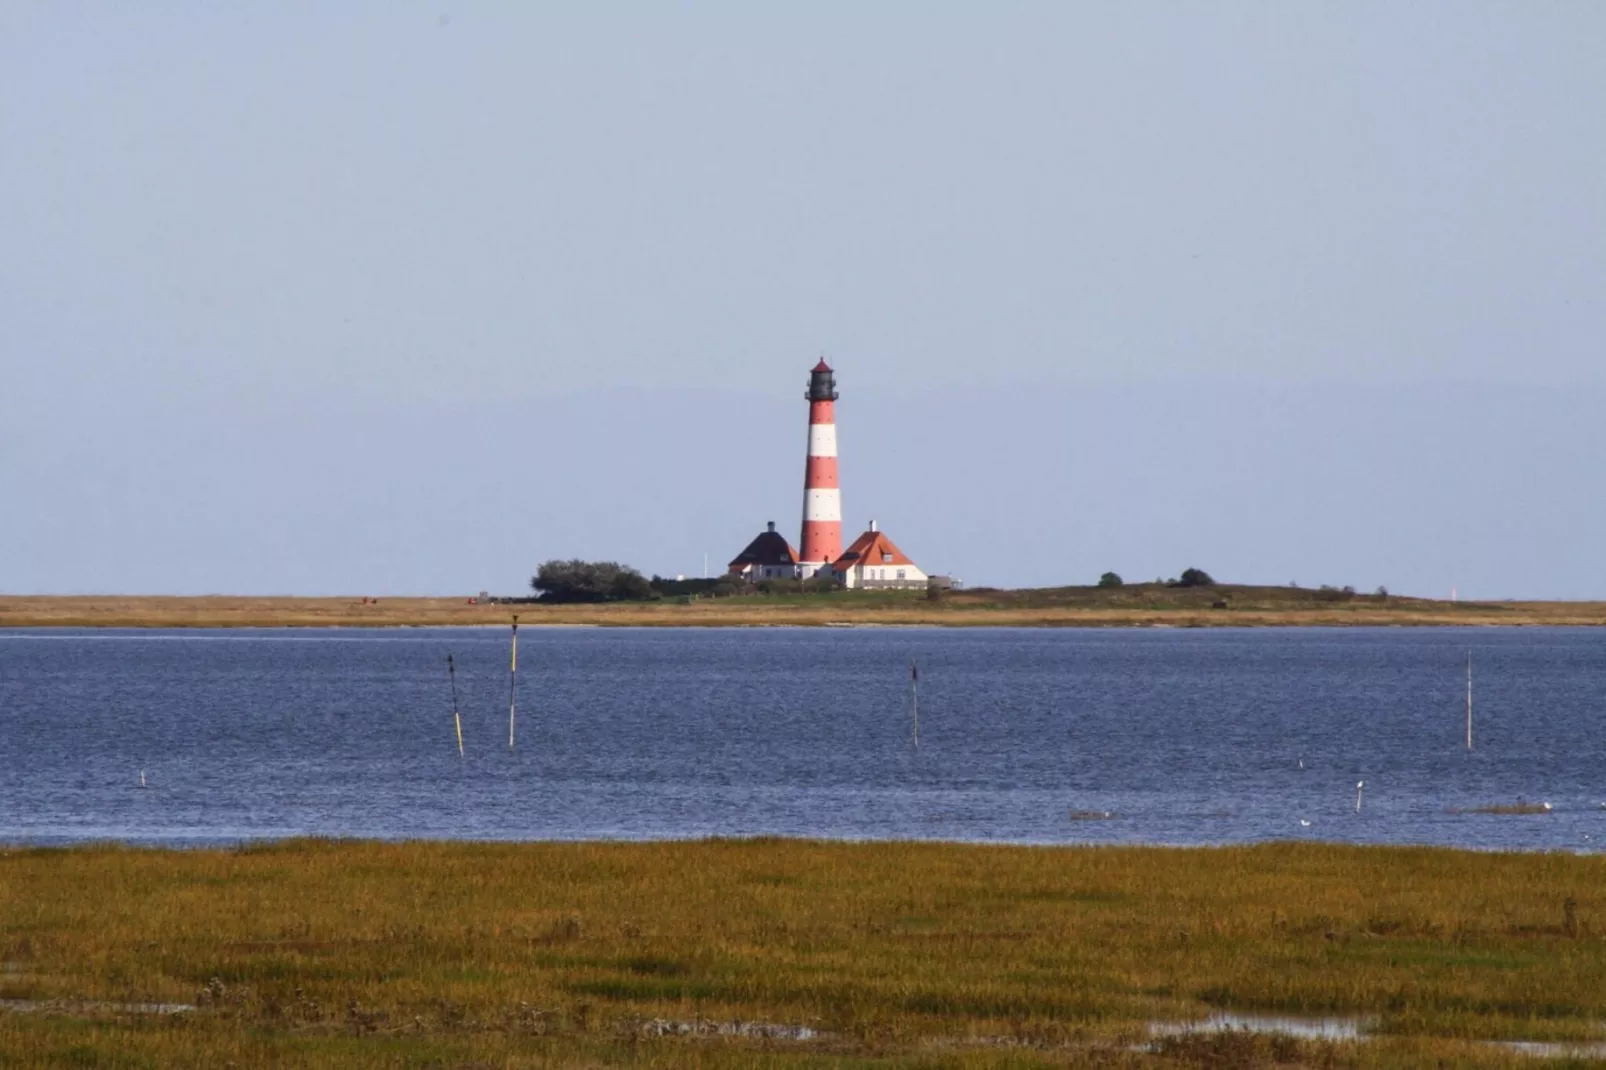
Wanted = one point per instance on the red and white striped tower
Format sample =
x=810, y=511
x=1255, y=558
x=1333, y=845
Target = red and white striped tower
x=822, y=500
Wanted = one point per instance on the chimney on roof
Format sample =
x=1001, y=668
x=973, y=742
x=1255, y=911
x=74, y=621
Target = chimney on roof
x=872, y=525
x=772, y=525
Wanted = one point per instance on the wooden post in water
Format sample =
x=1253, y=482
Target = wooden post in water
x=513, y=683
x=1469, y=700
x=914, y=699
x=451, y=671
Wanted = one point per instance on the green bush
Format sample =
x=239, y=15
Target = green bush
x=590, y=581
x=693, y=587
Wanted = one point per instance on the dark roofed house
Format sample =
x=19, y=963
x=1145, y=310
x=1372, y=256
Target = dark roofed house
x=768, y=557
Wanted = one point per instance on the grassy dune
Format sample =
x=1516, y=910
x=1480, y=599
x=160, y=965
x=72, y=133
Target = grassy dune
x=1136, y=605
x=436, y=954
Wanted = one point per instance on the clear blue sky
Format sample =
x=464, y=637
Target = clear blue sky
x=402, y=298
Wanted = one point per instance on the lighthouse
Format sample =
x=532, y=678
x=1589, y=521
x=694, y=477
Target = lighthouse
x=822, y=500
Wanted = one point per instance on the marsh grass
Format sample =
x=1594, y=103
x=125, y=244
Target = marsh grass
x=353, y=953
x=1133, y=605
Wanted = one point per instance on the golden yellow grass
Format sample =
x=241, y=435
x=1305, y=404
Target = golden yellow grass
x=1149, y=605
x=356, y=954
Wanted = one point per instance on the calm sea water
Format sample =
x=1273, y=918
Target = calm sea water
x=1186, y=737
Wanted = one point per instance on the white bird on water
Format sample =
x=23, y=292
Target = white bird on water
x=1304, y=824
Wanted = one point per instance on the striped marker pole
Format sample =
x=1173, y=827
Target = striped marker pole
x=451, y=671
x=822, y=500
x=513, y=683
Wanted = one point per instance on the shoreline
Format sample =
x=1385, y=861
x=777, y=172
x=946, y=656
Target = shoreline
x=1053, y=608
x=11, y=847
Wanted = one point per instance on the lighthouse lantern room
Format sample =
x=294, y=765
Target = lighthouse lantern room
x=822, y=498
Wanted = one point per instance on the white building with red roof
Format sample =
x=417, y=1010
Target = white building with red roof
x=875, y=562
x=768, y=557
x=872, y=561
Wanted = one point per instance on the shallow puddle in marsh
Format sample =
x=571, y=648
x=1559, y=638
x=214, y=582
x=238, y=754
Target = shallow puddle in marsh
x=661, y=1027
x=1340, y=1028
x=1554, y=1049
x=90, y=1007
x=1354, y=1028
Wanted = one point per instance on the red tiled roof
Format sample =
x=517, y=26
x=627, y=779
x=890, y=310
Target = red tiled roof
x=868, y=549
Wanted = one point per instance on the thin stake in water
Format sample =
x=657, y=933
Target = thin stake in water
x=914, y=699
x=513, y=683
x=1359, y=784
x=451, y=670
x=1469, y=700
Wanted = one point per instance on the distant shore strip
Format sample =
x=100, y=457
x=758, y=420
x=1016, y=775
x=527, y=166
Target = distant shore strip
x=1061, y=607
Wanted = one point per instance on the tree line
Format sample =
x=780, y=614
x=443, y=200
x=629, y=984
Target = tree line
x=1191, y=577
x=609, y=581
x=575, y=580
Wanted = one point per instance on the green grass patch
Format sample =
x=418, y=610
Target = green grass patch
x=900, y=954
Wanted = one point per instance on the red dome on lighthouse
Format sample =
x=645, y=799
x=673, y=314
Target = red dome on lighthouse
x=821, y=367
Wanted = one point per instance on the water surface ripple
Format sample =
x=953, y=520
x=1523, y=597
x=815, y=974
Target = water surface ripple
x=1182, y=736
